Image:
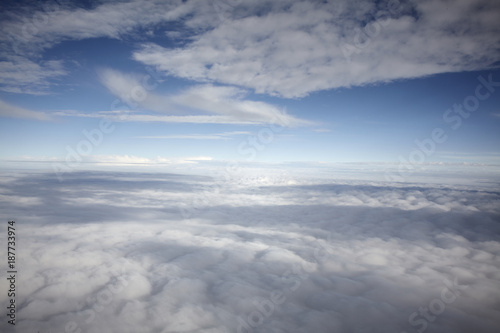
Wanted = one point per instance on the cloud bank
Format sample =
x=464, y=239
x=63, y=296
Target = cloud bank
x=144, y=252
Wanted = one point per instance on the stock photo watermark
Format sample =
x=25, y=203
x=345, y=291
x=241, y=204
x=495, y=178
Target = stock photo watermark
x=454, y=118
x=427, y=314
x=11, y=272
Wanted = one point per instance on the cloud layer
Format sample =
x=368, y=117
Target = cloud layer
x=286, y=48
x=293, y=48
x=132, y=252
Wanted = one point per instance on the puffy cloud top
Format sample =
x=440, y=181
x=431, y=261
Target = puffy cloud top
x=130, y=252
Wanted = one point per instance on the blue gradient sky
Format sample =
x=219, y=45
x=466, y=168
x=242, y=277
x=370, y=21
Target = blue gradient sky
x=189, y=81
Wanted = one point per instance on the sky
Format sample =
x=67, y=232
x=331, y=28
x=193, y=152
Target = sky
x=186, y=82
x=251, y=166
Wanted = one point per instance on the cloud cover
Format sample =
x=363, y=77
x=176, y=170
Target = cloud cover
x=285, y=48
x=156, y=252
x=293, y=48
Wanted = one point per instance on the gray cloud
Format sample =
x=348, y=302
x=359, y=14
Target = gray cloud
x=114, y=252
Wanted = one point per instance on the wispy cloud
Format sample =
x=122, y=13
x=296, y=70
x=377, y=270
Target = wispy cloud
x=215, y=136
x=21, y=75
x=27, y=33
x=130, y=159
x=466, y=157
x=127, y=116
x=114, y=160
x=227, y=103
x=56, y=23
x=129, y=88
x=12, y=111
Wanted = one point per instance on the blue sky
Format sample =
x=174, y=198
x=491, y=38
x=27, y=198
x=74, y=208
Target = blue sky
x=258, y=81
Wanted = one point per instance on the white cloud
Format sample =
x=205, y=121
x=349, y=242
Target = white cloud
x=294, y=48
x=27, y=32
x=21, y=75
x=39, y=27
x=131, y=90
x=132, y=160
x=127, y=116
x=131, y=252
x=227, y=103
x=287, y=48
x=470, y=157
x=12, y=111
x=215, y=136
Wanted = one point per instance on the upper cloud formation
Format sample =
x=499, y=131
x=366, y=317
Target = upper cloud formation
x=293, y=48
x=286, y=48
x=30, y=30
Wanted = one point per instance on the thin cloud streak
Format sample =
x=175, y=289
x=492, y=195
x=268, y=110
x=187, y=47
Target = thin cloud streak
x=12, y=111
x=227, y=103
x=216, y=136
x=127, y=116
